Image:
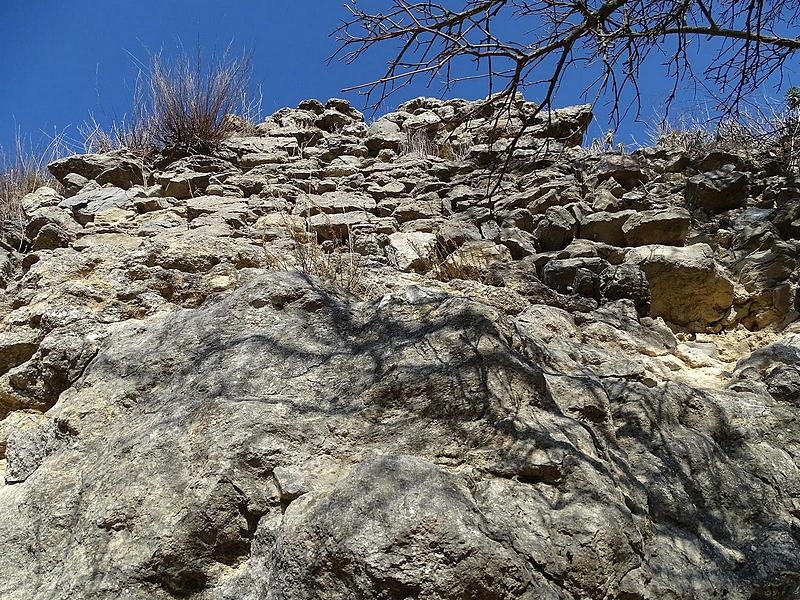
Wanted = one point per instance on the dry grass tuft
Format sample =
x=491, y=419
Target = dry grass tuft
x=417, y=143
x=334, y=260
x=190, y=102
x=26, y=172
x=180, y=103
x=134, y=132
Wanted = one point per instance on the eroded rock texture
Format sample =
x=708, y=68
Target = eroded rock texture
x=324, y=363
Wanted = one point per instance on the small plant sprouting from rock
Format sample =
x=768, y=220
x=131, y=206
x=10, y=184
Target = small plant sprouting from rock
x=335, y=260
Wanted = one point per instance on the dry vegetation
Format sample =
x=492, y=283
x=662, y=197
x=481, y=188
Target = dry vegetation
x=335, y=260
x=180, y=103
x=768, y=135
x=22, y=174
x=190, y=103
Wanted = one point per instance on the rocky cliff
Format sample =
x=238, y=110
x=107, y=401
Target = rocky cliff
x=338, y=360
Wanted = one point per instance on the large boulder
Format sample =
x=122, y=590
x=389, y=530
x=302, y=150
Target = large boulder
x=433, y=538
x=787, y=219
x=384, y=134
x=336, y=226
x=668, y=227
x=687, y=286
x=574, y=275
x=718, y=191
x=116, y=168
x=282, y=441
x=51, y=227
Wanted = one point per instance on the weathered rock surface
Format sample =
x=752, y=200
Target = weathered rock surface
x=332, y=448
x=719, y=190
x=686, y=286
x=668, y=227
x=114, y=168
x=326, y=362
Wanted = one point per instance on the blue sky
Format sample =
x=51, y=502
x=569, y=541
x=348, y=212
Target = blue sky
x=63, y=59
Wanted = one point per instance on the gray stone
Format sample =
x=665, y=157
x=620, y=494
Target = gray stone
x=114, y=168
x=473, y=259
x=520, y=243
x=567, y=125
x=605, y=227
x=332, y=203
x=336, y=226
x=50, y=216
x=627, y=281
x=52, y=236
x=557, y=229
x=412, y=251
x=625, y=170
x=718, y=191
x=453, y=233
x=561, y=274
x=17, y=346
x=424, y=207
x=667, y=227
x=189, y=177
x=384, y=134
x=86, y=205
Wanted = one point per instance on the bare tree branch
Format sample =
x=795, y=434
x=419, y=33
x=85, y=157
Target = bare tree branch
x=616, y=36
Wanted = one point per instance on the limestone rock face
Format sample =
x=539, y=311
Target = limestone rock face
x=668, y=227
x=606, y=227
x=339, y=359
x=115, y=168
x=87, y=205
x=412, y=251
x=557, y=229
x=415, y=443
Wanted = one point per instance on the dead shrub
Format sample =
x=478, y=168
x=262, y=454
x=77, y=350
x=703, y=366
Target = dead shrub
x=179, y=103
x=134, y=132
x=417, y=143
